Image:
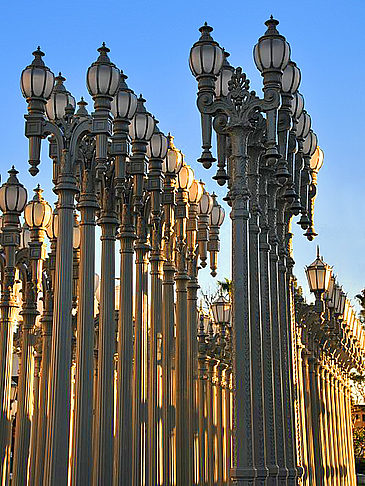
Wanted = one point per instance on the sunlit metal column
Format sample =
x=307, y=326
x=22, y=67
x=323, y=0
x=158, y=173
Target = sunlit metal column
x=227, y=424
x=219, y=414
x=323, y=407
x=211, y=458
x=317, y=419
x=183, y=452
x=308, y=403
x=10, y=240
x=46, y=333
x=34, y=429
x=334, y=435
x=123, y=446
x=195, y=194
x=38, y=214
x=157, y=152
x=348, y=418
x=123, y=108
x=202, y=405
x=168, y=322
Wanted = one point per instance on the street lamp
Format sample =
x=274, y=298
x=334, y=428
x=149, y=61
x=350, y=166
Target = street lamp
x=264, y=147
x=318, y=275
x=13, y=197
x=221, y=308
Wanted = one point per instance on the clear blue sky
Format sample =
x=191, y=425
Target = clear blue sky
x=151, y=40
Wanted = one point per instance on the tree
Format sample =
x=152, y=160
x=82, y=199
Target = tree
x=359, y=442
x=361, y=300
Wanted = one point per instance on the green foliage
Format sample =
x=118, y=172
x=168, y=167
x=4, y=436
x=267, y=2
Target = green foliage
x=226, y=286
x=359, y=441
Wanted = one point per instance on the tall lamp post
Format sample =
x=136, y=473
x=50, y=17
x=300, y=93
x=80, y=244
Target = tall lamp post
x=13, y=197
x=268, y=181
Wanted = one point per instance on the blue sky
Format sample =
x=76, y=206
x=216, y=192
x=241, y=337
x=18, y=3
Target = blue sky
x=151, y=40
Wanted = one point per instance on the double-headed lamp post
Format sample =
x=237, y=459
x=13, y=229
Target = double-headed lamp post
x=264, y=148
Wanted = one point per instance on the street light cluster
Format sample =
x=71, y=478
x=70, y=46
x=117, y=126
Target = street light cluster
x=120, y=395
x=330, y=345
x=268, y=156
x=338, y=318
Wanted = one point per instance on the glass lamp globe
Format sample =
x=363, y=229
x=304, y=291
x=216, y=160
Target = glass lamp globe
x=217, y=214
x=185, y=177
x=124, y=103
x=157, y=146
x=13, y=195
x=76, y=233
x=173, y=160
x=103, y=76
x=317, y=159
x=60, y=98
x=38, y=213
x=272, y=52
x=24, y=236
x=310, y=143
x=206, y=56
x=142, y=124
x=37, y=79
x=195, y=192
x=221, y=309
x=297, y=105
x=318, y=275
x=225, y=75
x=52, y=228
x=290, y=80
x=303, y=125
x=206, y=203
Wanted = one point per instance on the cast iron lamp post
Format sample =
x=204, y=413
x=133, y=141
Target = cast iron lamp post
x=319, y=275
x=37, y=214
x=264, y=148
x=13, y=197
x=68, y=130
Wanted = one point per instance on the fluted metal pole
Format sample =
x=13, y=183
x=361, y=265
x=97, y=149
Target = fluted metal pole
x=46, y=323
x=308, y=404
x=140, y=358
x=124, y=427
x=168, y=324
x=268, y=323
x=154, y=439
x=25, y=388
x=202, y=396
x=103, y=440
x=192, y=325
x=82, y=438
x=34, y=429
x=276, y=330
x=10, y=242
x=183, y=453
x=243, y=472
x=58, y=426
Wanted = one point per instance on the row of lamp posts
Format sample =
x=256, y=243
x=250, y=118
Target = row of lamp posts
x=165, y=221
x=265, y=153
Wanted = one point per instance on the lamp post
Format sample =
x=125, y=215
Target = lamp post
x=319, y=275
x=171, y=167
x=38, y=214
x=268, y=182
x=13, y=197
x=68, y=129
